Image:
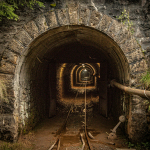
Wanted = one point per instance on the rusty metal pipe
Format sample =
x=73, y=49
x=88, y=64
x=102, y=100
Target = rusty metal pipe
x=142, y=93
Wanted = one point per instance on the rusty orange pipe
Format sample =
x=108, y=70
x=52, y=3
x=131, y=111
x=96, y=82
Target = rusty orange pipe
x=142, y=93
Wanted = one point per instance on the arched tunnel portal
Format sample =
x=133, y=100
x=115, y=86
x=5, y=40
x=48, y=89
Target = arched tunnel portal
x=54, y=70
x=52, y=58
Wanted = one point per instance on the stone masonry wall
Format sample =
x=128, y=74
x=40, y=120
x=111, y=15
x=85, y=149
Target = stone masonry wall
x=139, y=13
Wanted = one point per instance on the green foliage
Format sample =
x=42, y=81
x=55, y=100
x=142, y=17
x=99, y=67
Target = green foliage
x=149, y=108
x=31, y=122
x=8, y=7
x=146, y=79
x=40, y=4
x=14, y=146
x=7, y=11
x=146, y=145
x=130, y=145
x=139, y=146
x=125, y=19
x=31, y=3
x=3, y=92
x=53, y=5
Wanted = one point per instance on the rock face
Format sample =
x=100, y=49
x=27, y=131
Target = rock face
x=20, y=52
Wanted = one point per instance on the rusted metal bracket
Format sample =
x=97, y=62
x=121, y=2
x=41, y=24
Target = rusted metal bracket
x=113, y=135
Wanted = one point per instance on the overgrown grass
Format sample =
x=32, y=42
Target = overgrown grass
x=14, y=146
x=24, y=143
x=139, y=146
x=146, y=79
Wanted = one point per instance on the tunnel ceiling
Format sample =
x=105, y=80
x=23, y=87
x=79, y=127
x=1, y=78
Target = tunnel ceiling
x=75, y=53
x=76, y=44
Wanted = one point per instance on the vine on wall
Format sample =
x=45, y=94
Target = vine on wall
x=125, y=19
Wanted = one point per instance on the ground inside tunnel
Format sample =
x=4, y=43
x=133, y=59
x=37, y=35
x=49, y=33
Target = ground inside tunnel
x=46, y=133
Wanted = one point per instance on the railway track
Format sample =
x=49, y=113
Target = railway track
x=84, y=136
x=84, y=139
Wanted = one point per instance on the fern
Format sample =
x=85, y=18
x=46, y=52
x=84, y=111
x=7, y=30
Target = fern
x=40, y=4
x=7, y=8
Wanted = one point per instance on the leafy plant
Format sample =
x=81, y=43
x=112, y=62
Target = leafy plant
x=146, y=145
x=53, y=5
x=7, y=11
x=146, y=79
x=149, y=108
x=139, y=146
x=125, y=19
x=130, y=145
x=8, y=7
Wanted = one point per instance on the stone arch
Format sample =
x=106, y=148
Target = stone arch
x=79, y=24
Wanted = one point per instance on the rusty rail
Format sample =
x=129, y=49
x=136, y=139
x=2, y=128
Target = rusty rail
x=60, y=131
x=88, y=141
x=142, y=93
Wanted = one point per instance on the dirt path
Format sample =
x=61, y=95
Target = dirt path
x=45, y=134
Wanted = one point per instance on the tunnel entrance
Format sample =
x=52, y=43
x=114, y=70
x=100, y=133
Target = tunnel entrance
x=45, y=67
x=54, y=70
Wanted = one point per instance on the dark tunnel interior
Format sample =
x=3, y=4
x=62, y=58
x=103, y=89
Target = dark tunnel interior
x=55, y=73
